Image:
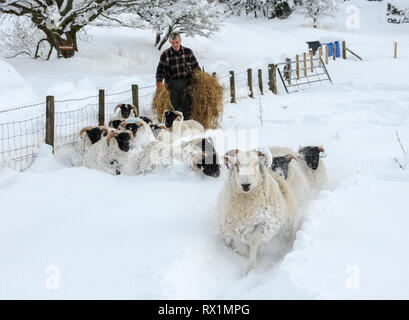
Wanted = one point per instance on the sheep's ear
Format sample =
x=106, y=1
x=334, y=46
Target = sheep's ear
x=265, y=157
x=289, y=157
x=179, y=115
x=322, y=150
x=230, y=158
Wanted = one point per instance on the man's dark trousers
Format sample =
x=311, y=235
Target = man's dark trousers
x=179, y=96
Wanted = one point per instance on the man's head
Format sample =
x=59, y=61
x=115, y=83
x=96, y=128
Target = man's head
x=175, y=41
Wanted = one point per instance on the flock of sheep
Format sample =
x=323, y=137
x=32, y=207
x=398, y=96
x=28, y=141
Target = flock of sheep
x=264, y=189
x=264, y=193
x=133, y=144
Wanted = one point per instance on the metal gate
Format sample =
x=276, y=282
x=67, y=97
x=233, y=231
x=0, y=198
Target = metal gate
x=302, y=74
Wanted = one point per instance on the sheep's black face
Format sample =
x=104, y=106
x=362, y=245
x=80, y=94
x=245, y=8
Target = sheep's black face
x=133, y=127
x=115, y=123
x=146, y=119
x=311, y=156
x=206, y=146
x=123, y=140
x=170, y=116
x=155, y=129
x=94, y=134
x=126, y=110
x=280, y=166
x=209, y=166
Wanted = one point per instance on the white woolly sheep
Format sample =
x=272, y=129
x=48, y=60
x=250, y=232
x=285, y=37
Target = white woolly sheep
x=287, y=165
x=126, y=111
x=256, y=205
x=180, y=127
x=312, y=167
x=156, y=155
x=141, y=131
x=114, y=155
x=89, y=145
x=201, y=155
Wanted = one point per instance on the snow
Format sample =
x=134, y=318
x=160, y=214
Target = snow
x=156, y=236
x=13, y=85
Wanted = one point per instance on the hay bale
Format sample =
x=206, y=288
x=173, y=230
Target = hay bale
x=161, y=102
x=207, y=99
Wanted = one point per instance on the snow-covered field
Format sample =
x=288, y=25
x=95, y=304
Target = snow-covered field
x=156, y=236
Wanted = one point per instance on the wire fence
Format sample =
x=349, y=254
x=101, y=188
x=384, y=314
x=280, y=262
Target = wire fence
x=112, y=100
x=20, y=139
x=146, y=95
x=372, y=51
x=69, y=123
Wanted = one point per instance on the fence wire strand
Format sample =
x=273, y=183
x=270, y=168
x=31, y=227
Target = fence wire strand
x=20, y=141
x=69, y=123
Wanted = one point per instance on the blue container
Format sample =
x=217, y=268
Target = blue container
x=331, y=49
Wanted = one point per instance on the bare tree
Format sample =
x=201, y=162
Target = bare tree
x=61, y=20
x=19, y=36
x=318, y=9
x=190, y=17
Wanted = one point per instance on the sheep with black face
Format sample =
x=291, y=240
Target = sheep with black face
x=255, y=205
x=201, y=155
x=141, y=131
x=115, y=155
x=313, y=166
x=114, y=123
x=89, y=145
x=174, y=121
x=148, y=120
x=288, y=166
x=162, y=133
x=126, y=111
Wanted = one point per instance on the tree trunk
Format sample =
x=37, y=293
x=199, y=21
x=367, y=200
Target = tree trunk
x=72, y=38
x=165, y=38
x=157, y=39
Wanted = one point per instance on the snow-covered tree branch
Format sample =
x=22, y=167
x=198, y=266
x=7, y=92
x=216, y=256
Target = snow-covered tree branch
x=318, y=9
x=191, y=17
x=61, y=20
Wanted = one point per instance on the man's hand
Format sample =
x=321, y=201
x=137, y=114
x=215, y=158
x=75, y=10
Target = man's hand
x=158, y=84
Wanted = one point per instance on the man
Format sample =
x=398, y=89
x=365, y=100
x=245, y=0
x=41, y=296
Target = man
x=175, y=66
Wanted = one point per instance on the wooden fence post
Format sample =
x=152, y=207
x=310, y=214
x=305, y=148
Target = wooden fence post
x=297, y=66
x=49, y=121
x=232, y=87
x=260, y=81
x=305, y=64
x=344, y=50
x=272, y=74
x=320, y=54
x=396, y=50
x=135, y=96
x=101, y=111
x=334, y=51
x=312, y=60
x=326, y=54
x=250, y=82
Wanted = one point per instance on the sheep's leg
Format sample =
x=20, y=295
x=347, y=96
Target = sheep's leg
x=255, y=242
x=241, y=248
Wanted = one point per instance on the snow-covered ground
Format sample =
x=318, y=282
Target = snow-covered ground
x=156, y=236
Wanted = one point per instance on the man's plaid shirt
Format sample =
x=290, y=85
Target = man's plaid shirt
x=175, y=65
